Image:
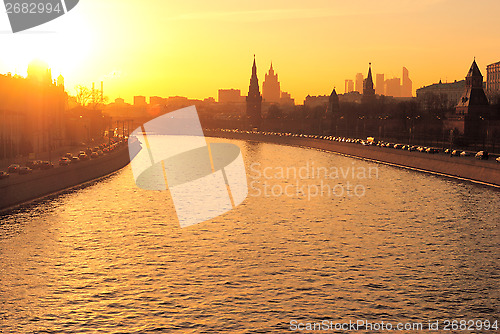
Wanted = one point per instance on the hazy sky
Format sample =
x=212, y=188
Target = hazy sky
x=193, y=48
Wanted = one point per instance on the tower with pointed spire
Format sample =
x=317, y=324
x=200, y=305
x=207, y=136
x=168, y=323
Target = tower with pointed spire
x=332, y=111
x=368, y=90
x=368, y=83
x=473, y=95
x=271, y=90
x=473, y=106
x=254, y=99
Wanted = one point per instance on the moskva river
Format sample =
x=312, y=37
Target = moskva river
x=321, y=240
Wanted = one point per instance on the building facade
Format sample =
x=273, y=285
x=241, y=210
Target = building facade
x=493, y=80
x=447, y=93
x=32, y=112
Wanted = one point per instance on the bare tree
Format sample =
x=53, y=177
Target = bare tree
x=83, y=95
x=90, y=97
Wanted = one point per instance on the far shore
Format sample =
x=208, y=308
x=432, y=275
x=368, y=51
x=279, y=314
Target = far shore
x=486, y=172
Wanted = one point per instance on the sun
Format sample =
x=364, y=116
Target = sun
x=63, y=44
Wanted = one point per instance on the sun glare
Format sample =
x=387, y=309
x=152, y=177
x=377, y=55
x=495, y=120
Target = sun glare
x=63, y=44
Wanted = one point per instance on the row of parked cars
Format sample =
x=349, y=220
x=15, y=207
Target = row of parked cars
x=87, y=154
x=65, y=160
x=27, y=169
x=482, y=155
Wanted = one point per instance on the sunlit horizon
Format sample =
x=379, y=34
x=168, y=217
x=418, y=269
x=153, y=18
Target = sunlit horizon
x=198, y=48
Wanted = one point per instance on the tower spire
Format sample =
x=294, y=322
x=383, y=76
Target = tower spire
x=254, y=99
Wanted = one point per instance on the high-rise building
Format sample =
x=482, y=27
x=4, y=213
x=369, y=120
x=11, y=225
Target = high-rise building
x=359, y=83
x=407, y=87
x=393, y=87
x=493, y=79
x=368, y=83
x=271, y=87
x=379, y=84
x=349, y=86
x=254, y=99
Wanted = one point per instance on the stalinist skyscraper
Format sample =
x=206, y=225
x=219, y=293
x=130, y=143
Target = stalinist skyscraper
x=271, y=90
x=254, y=99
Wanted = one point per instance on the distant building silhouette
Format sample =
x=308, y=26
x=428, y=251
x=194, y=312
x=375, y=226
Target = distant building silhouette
x=139, y=101
x=407, y=86
x=393, y=87
x=311, y=102
x=380, y=84
x=368, y=91
x=60, y=81
x=331, y=111
x=349, y=86
x=40, y=72
x=286, y=99
x=445, y=94
x=271, y=87
x=32, y=112
x=493, y=79
x=254, y=99
x=229, y=96
x=156, y=100
x=359, y=83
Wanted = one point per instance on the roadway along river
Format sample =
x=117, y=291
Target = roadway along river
x=395, y=246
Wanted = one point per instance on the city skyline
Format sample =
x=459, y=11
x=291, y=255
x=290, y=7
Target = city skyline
x=189, y=55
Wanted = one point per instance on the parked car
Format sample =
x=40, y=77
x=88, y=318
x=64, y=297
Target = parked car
x=3, y=175
x=456, y=153
x=64, y=161
x=68, y=155
x=482, y=155
x=465, y=154
x=14, y=168
x=46, y=165
x=24, y=170
x=75, y=160
x=33, y=164
x=447, y=151
x=83, y=156
x=432, y=150
x=94, y=155
x=412, y=148
x=497, y=159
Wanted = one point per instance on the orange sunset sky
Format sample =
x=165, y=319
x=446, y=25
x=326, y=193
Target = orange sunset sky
x=193, y=48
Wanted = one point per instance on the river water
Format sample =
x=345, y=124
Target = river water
x=313, y=241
